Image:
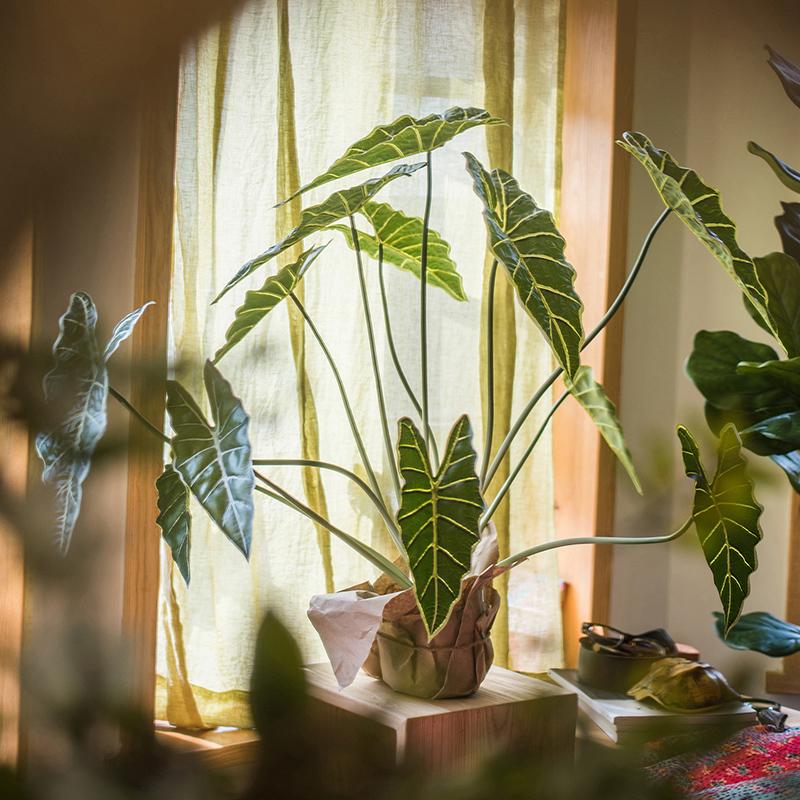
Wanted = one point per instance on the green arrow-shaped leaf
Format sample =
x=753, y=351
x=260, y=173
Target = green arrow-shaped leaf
x=787, y=175
x=78, y=383
x=524, y=239
x=401, y=237
x=174, y=518
x=317, y=218
x=258, y=303
x=591, y=395
x=406, y=136
x=698, y=206
x=762, y=633
x=438, y=517
x=215, y=462
x=725, y=515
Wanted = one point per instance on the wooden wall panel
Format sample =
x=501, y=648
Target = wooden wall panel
x=16, y=288
x=149, y=365
x=597, y=107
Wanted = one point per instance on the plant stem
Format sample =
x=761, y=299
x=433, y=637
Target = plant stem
x=141, y=417
x=512, y=561
x=395, y=358
x=387, y=439
x=612, y=310
x=373, y=481
x=373, y=556
x=498, y=498
x=487, y=446
x=377, y=502
x=423, y=303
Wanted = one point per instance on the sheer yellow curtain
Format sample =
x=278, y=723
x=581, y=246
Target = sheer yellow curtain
x=266, y=99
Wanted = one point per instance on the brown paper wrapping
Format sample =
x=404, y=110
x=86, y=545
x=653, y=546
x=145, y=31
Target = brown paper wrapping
x=455, y=662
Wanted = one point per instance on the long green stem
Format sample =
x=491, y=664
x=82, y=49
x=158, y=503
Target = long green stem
x=387, y=438
x=423, y=301
x=141, y=417
x=373, y=556
x=376, y=501
x=612, y=310
x=393, y=350
x=498, y=498
x=487, y=445
x=517, y=558
x=348, y=409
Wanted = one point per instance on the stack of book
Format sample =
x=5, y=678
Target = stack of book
x=625, y=720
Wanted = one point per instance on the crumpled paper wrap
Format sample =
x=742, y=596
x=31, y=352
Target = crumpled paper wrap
x=379, y=628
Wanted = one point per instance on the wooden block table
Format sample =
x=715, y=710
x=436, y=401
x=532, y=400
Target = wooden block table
x=509, y=710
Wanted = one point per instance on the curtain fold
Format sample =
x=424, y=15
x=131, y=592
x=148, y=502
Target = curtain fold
x=268, y=99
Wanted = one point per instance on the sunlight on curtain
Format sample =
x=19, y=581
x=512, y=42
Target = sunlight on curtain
x=341, y=68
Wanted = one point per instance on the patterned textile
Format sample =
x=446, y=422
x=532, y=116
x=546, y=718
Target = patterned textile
x=751, y=764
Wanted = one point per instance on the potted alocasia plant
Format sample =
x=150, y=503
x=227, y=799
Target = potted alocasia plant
x=435, y=596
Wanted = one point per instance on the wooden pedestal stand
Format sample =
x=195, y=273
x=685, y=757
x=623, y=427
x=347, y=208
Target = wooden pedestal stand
x=509, y=710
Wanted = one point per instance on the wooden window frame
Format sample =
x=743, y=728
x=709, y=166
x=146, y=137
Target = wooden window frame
x=598, y=107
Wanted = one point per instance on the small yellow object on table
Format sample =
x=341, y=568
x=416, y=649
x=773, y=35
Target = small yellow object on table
x=534, y=717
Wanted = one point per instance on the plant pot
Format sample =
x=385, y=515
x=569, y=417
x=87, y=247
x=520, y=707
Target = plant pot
x=453, y=663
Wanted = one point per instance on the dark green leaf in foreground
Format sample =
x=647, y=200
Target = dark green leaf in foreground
x=788, y=73
x=525, y=240
x=406, y=136
x=215, y=462
x=591, y=395
x=78, y=385
x=779, y=274
x=438, y=517
x=762, y=633
x=401, y=237
x=787, y=175
x=317, y=218
x=698, y=207
x=174, y=518
x=781, y=374
x=259, y=302
x=725, y=515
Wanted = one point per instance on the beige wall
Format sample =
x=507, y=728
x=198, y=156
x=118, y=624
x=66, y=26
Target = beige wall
x=702, y=89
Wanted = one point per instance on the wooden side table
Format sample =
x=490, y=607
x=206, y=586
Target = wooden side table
x=509, y=710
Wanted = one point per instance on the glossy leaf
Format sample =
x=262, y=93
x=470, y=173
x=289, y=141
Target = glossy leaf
x=406, y=136
x=698, y=207
x=524, y=239
x=779, y=274
x=77, y=383
x=438, y=517
x=788, y=225
x=761, y=632
x=174, y=518
x=591, y=395
x=790, y=464
x=784, y=428
x=713, y=364
x=259, y=302
x=215, y=462
x=781, y=374
x=322, y=216
x=401, y=237
x=726, y=517
x=787, y=175
x=788, y=73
